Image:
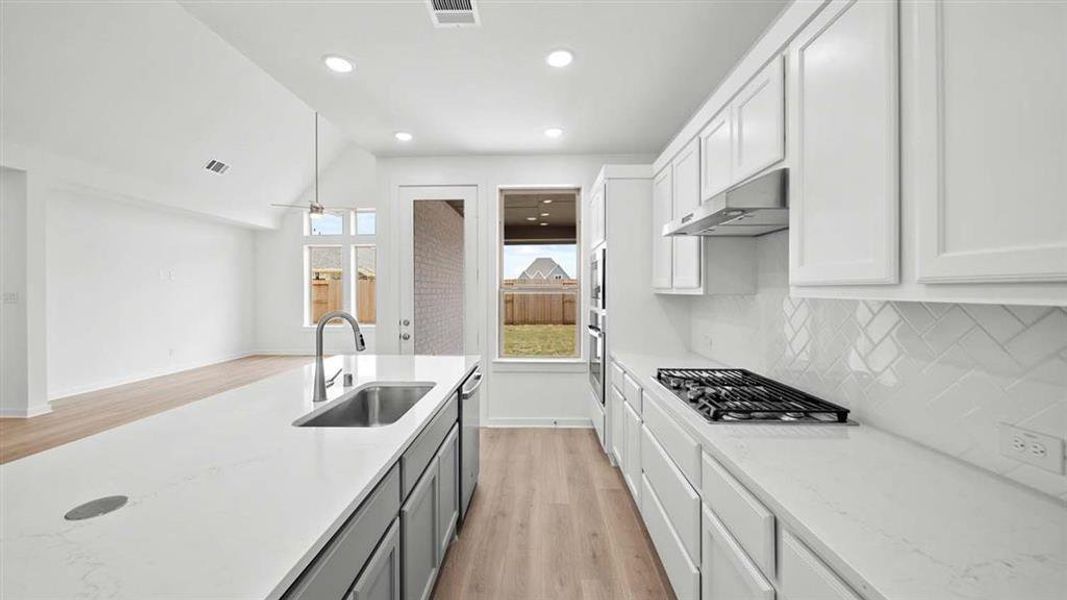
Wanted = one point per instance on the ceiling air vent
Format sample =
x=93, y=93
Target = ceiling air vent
x=453, y=13
x=217, y=166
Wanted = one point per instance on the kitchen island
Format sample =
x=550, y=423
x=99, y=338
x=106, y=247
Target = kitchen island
x=226, y=497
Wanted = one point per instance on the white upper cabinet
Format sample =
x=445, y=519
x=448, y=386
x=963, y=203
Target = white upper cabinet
x=716, y=155
x=988, y=86
x=844, y=214
x=662, y=247
x=759, y=122
x=597, y=220
x=686, y=269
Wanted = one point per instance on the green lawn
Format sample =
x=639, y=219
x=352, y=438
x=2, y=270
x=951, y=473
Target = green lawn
x=539, y=340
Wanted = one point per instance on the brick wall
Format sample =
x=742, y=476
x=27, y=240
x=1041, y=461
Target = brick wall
x=438, y=319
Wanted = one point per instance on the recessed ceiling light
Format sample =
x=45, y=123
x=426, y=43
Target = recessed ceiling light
x=546, y=201
x=553, y=132
x=403, y=136
x=559, y=58
x=337, y=64
x=531, y=218
x=544, y=214
x=544, y=224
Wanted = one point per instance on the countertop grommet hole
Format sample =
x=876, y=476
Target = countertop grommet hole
x=95, y=508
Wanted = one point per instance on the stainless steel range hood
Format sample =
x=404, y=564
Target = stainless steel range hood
x=752, y=208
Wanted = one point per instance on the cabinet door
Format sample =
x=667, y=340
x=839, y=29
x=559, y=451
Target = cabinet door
x=716, y=155
x=685, y=274
x=448, y=490
x=380, y=579
x=989, y=139
x=618, y=428
x=419, y=549
x=759, y=122
x=802, y=576
x=726, y=572
x=632, y=471
x=844, y=200
x=597, y=216
x=662, y=247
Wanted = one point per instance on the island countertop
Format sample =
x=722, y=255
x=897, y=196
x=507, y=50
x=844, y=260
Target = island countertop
x=227, y=499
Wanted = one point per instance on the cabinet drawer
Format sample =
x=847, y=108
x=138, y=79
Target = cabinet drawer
x=680, y=501
x=726, y=571
x=803, y=576
x=336, y=567
x=423, y=449
x=683, y=449
x=618, y=377
x=746, y=518
x=632, y=392
x=682, y=573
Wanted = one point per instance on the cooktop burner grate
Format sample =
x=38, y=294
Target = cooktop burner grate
x=741, y=395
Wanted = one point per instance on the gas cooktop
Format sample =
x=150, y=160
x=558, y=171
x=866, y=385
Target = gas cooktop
x=741, y=396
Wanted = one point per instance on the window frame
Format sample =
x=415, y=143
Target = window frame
x=535, y=362
x=348, y=241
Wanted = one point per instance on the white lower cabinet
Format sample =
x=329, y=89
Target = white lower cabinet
x=380, y=579
x=683, y=574
x=680, y=501
x=448, y=490
x=726, y=571
x=618, y=425
x=631, y=468
x=419, y=544
x=802, y=576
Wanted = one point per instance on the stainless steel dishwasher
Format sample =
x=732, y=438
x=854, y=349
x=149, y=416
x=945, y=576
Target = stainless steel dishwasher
x=470, y=420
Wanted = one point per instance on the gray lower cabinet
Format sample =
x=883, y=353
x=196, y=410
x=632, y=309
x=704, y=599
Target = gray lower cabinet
x=380, y=579
x=448, y=490
x=419, y=545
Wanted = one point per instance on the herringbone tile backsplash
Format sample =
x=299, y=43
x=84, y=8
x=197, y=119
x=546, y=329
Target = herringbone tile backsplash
x=943, y=375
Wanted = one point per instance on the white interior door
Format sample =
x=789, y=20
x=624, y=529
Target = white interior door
x=438, y=245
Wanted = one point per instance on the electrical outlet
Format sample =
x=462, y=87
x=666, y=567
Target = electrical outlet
x=1037, y=449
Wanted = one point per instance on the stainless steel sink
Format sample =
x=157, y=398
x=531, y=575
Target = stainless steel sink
x=373, y=405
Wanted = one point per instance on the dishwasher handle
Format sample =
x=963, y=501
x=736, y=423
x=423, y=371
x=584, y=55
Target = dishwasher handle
x=468, y=392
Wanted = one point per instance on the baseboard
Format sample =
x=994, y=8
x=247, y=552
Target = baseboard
x=24, y=413
x=101, y=385
x=542, y=422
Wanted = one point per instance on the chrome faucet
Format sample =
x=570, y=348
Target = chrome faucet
x=320, y=374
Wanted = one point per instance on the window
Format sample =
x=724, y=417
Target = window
x=366, y=222
x=539, y=274
x=366, y=269
x=328, y=223
x=332, y=281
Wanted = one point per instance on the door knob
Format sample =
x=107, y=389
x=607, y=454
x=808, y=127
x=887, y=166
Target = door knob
x=405, y=322
x=405, y=336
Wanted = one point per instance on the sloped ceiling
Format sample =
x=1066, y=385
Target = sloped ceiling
x=641, y=68
x=146, y=90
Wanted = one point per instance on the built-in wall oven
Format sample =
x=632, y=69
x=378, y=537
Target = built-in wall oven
x=597, y=348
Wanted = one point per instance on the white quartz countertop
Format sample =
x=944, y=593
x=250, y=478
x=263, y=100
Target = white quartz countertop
x=896, y=520
x=227, y=498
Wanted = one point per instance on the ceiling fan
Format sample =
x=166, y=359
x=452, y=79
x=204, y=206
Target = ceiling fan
x=314, y=207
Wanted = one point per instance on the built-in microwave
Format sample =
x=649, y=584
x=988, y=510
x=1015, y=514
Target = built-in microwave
x=596, y=278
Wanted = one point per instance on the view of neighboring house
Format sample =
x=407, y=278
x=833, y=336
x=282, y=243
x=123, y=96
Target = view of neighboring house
x=543, y=269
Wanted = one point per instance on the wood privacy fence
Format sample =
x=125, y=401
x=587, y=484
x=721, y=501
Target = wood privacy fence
x=366, y=306
x=544, y=308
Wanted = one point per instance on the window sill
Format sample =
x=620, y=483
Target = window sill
x=539, y=365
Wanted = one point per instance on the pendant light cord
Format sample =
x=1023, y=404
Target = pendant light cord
x=316, y=158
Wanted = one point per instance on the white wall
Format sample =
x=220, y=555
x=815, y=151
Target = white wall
x=14, y=386
x=349, y=180
x=943, y=375
x=137, y=291
x=516, y=394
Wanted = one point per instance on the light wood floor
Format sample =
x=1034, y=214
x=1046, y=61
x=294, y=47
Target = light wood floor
x=75, y=417
x=551, y=519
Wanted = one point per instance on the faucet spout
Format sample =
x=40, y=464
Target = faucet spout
x=320, y=374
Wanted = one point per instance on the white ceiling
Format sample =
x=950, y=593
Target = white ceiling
x=145, y=90
x=641, y=68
